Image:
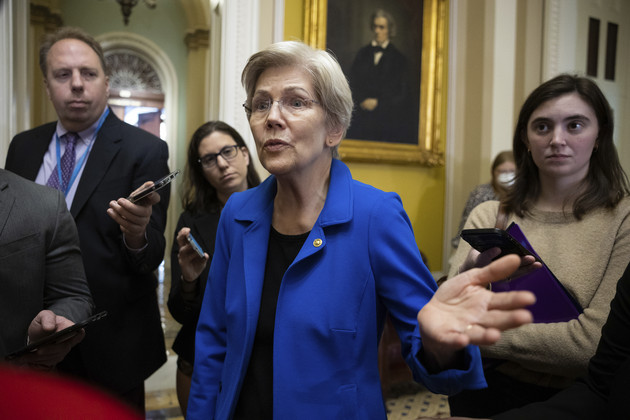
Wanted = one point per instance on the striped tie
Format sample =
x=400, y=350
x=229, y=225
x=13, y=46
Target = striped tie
x=67, y=164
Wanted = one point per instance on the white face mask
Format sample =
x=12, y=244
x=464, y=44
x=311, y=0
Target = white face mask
x=506, y=178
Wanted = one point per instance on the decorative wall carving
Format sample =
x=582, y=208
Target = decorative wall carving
x=130, y=72
x=198, y=39
x=41, y=15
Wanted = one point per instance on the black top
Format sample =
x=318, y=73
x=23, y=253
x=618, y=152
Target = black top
x=256, y=397
x=185, y=307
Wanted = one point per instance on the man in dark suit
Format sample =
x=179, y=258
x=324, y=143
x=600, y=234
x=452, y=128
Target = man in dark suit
x=42, y=283
x=122, y=243
x=378, y=80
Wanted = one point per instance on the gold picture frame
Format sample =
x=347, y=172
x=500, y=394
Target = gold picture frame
x=429, y=150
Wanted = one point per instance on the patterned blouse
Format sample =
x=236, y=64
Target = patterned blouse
x=481, y=193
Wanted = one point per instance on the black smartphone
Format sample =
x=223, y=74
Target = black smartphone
x=160, y=183
x=484, y=239
x=57, y=337
x=195, y=244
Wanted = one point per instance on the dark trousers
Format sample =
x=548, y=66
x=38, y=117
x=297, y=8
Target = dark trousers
x=135, y=398
x=73, y=366
x=503, y=393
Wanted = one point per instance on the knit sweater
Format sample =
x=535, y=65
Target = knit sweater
x=588, y=256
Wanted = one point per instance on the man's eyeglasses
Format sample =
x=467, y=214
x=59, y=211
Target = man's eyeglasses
x=210, y=160
x=260, y=107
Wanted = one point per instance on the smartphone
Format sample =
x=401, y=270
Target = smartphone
x=161, y=183
x=484, y=239
x=195, y=245
x=57, y=337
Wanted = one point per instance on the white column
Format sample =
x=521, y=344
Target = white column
x=239, y=40
x=559, y=50
x=241, y=36
x=455, y=84
x=503, y=67
x=14, y=109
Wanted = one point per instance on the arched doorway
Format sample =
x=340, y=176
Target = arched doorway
x=136, y=94
x=142, y=50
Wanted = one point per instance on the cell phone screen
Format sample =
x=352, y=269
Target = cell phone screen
x=161, y=183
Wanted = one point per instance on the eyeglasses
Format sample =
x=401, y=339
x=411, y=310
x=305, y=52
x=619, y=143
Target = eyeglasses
x=292, y=104
x=210, y=160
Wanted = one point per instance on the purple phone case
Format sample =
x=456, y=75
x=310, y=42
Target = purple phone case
x=553, y=302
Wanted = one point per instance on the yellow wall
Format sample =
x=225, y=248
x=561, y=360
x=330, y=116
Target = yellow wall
x=421, y=189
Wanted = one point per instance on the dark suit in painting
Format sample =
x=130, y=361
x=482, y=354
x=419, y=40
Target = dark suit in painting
x=392, y=120
x=40, y=260
x=123, y=350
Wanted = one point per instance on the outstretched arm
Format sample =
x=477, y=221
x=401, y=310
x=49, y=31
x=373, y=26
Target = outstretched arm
x=463, y=311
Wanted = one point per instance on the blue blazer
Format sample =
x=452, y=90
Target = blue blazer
x=359, y=260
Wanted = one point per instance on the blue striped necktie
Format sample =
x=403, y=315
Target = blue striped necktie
x=67, y=162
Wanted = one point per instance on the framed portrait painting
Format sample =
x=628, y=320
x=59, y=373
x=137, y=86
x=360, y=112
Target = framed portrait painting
x=393, y=54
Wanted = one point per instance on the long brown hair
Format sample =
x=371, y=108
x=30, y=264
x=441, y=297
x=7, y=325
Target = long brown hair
x=605, y=184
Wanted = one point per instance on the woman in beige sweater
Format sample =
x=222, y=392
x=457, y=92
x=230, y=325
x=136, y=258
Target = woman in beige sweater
x=570, y=198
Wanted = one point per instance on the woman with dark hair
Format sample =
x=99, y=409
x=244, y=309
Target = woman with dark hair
x=218, y=165
x=570, y=198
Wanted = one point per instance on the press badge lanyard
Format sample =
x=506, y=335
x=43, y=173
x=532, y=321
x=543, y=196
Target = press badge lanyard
x=77, y=167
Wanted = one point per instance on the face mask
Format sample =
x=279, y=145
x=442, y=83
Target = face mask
x=506, y=178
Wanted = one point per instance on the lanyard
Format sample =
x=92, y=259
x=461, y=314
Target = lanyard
x=77, y=167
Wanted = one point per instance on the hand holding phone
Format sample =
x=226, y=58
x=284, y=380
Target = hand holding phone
x=195, y=245
x=56, y=337
x=484, y=239
x=157, y=185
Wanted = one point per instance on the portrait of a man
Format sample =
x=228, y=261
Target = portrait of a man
x=379, y=82
x=393, y=53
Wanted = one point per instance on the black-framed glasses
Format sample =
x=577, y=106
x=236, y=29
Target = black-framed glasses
x=210, y=160
x=260, y=107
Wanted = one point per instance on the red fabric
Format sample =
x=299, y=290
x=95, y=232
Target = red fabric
x=29, y=395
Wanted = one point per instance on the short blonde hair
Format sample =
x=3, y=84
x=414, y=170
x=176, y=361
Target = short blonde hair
x=330, y=84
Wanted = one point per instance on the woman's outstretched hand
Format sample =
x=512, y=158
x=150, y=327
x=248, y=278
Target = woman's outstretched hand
x=463, y=311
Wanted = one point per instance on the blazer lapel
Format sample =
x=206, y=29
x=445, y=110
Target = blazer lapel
x=39, y=145
x=255, y=244
x=257, y=213
x=337, y=209
x=6, y=202
x=106, y=147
